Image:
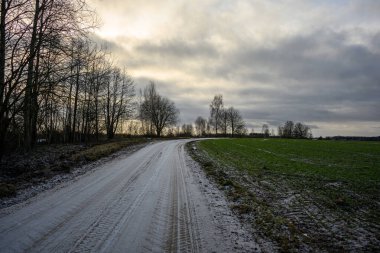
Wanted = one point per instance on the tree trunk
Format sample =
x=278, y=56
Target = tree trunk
x=83, y=130
x=34, y=102
x=3, y=119
x=36, y=86
x=2, y=56
x=96, y=117
x=4, y=123
x=75, y=104
x=29, y=82
x=110, y=133
x=67, y=129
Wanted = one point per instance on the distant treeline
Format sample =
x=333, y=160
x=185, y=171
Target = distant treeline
x=352, y=138
x=222, y=121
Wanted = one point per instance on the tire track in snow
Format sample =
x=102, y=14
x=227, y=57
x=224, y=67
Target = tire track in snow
x=104, y=229
x=148, y=201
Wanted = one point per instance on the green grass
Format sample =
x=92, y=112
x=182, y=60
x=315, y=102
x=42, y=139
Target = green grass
x=332, y=189
x=353, y=162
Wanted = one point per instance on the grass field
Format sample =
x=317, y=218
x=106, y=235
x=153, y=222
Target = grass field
x=302, y=194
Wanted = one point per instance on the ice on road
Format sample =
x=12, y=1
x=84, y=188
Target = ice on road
x=150, y=201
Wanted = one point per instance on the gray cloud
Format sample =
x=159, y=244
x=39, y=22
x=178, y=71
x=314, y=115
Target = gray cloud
x=271, y=61
x=302, y=82
x=178, y=49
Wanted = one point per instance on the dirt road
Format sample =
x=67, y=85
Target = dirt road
x=150, y=201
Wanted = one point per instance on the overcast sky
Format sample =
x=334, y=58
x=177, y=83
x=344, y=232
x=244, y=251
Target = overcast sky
x=317, y=61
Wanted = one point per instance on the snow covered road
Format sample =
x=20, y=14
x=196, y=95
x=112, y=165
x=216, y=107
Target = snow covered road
x=150, y=201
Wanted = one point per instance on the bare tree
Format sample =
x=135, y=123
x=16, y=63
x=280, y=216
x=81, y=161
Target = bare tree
x=287, y=130
x=224, y=121
x=30, y=91
x=79, y=80
x=13, y=61
x=159, y=112
x=265, y=130
x=235, y=121
x=54, y=81
x=280, y=131
x=53, y=22
x=216, y=112
x=291, y=130
x=200, y=126
x=301, y=131
x=187, y=130
x=118, y=100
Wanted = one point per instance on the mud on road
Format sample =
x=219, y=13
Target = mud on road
x=156, y=199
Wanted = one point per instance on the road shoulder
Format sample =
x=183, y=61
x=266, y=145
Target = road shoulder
x=237, y=236
x=29, y=192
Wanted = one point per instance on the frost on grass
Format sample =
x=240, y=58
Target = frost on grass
x=297, y=212
x=48, y=166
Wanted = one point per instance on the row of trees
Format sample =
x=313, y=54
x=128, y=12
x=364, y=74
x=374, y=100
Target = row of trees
x=222, y=121
x=294, y=130
x=202, y=127
x=225, y=120
x=55, y=83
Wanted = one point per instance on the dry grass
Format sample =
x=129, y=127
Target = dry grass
x=7, y=190
x=101, y=150
x=46, y=161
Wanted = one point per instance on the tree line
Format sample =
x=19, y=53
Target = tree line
x=55, y=82
x=289, y=129
x=59, y=86
x=294, y=130
x=221, y=122
x=159, y=116
x=229, y=122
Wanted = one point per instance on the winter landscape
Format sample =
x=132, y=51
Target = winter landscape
x=189, y=126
